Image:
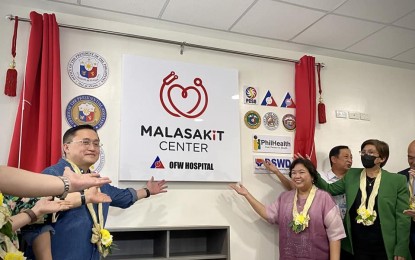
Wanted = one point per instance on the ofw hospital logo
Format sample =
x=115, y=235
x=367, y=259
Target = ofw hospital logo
x=179, y=101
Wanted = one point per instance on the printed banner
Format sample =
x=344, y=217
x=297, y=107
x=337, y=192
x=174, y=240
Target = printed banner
x=179, y=122
x=282, y=163
x=272, y=144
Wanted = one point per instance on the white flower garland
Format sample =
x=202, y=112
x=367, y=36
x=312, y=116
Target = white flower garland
x=100, y=236
x=367, y=216
x=8, y=249
x=300, y=220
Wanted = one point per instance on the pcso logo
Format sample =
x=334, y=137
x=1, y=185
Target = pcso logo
x=250, y=92
x=179, y=101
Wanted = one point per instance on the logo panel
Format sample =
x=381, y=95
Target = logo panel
x=179, y=101
x=251, y=95
x=252, y=119
x=289, y=122
x=271, y=121
x=86, y=109
x=88, y=69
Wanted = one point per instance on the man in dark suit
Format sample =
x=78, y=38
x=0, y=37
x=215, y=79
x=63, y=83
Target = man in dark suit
x=410, y=175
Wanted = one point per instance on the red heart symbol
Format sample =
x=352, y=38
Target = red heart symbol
x=179, y=93
x=184, y=95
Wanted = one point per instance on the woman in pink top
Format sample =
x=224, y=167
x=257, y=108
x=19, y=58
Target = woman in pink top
x=310, y=225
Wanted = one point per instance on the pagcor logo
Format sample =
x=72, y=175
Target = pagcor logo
x=179, y=101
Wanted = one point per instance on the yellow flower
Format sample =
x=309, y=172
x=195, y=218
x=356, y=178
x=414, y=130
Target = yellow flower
x=14, y=256
x=106, y=237
x=365, y=216
x=1, y=198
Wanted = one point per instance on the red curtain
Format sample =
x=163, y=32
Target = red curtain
x=36, y=141
x=305, y=95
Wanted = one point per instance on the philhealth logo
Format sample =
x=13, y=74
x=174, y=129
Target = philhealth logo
x=179, y=101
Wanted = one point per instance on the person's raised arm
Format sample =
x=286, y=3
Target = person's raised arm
x=255, y=204
x=42, y=207
x=24, y=183
x=287, y=183
x=91, y=195
x=336, y=188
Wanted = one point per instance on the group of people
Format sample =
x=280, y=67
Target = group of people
x=78, y=227
x=369, y=217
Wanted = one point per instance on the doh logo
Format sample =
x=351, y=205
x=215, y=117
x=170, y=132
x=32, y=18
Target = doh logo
x=179, y=101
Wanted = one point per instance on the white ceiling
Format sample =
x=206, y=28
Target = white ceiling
x=376, y=31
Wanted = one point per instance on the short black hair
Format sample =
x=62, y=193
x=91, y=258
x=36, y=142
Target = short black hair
x=335, y=151
x=71, y=132
x=381, y=147
x=307, y=164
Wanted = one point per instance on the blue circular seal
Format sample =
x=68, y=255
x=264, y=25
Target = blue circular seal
x=88, y=69
x=86, y=109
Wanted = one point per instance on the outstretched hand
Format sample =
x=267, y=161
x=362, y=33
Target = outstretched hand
x=270, y=166
x=409, y=212
x=240, y=189
x=92, y=195
x=47, y=205
x=84, y=181
x=156, y=187
x=299, y=155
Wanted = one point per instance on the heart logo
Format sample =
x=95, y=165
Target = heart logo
x=179, y=101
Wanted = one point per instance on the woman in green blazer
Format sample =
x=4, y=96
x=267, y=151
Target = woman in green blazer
x=375, y=224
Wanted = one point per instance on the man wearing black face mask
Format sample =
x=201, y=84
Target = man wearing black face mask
x=410, y=176
x=374, y=194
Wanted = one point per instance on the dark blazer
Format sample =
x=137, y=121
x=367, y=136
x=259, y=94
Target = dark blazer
x=406, y=174
x=392, y=200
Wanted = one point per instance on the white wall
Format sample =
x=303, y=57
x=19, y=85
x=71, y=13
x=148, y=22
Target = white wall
x=383, y=92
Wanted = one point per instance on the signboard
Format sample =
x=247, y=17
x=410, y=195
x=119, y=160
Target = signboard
x=282, y=163
x=272, y=144
x=179, y=121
